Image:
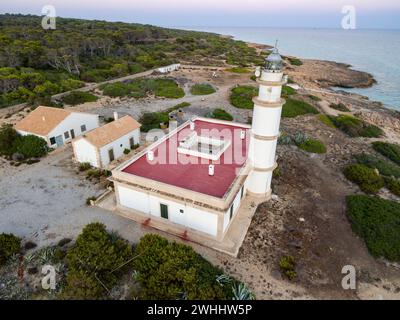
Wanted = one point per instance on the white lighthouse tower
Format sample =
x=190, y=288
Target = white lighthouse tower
x=265, y=127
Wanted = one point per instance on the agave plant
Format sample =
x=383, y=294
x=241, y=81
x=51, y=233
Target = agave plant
x=242, y=292
x=114, y=236
x=46, y=255
x=223, y=279
x=135, y=275
x=300, y=138
x=285, y=140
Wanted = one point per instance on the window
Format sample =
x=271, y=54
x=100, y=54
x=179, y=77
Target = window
x=181, y=211
x=164, y=211
x=241, y=192
x=231, y=215
x=131, y=142
x=83, y=128
x=52, y=140
x=66, y=135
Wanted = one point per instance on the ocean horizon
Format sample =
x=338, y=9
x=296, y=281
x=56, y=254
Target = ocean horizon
x=376, y=51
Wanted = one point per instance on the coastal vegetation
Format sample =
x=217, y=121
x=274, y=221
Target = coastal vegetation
x=202, y=89
x=288, y=91
x=295, y=61
x=78, y=97
x=312, y=146
x=36, y=63
x=241, y=96
x=384, y=167
x=389, y=150
x=287, y=265
x=377, y=221
x=238, y=70
x=366, y=178
x=220, y=114
x=10, y=245
x=339, y=107
x=141, y=88
x=355, y=127
x=293, y=108
x=326, y=120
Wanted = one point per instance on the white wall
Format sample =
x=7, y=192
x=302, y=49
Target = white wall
x=85, y=152
x=236, y=205
x=74, y=121
x=118, y=146
x=149, y=204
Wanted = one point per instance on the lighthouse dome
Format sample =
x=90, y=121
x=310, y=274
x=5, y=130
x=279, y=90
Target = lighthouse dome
x=274, y=61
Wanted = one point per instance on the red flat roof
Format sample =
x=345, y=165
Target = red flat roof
x=190, y=172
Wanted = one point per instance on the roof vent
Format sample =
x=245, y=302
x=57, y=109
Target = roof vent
x=211, y=170
x=242, y=134
x=192, y=125
x=150, y=155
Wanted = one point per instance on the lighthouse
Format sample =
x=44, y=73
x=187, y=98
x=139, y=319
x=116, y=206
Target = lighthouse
x=265, y=127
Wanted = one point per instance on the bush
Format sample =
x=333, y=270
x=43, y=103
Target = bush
x=79, y=97
x=30, y=146
x=314, y=98
x=7, y=137
x=127, y=151
x=367, y=179
x=295, y=62
x=9, y=246
x=241, y=97
x=85, y=166
x=325, y=119
x=95, y=263
x=393, y=185
x=168, y=270
x=293, y=108
x=339, y=106
x=385, y=168
x=202, y=89
x=152, y=120
x=220, y=114
x=389, y=150
x=355, y=127
x=287, y=266
x=94, y=173
x=288, y=91
x=313, y=146
x=377, y=221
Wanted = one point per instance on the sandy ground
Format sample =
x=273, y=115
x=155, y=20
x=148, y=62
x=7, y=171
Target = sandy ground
x=45, y=202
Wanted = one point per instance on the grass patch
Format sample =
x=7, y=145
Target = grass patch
x=9, y=246
x=288, y=91
x=355, y=127
x=79, y=97
x=385, y=168
x=326, y=120
x=177, y=107
x=389, y=150
x=393, y=185
x=220, y=114
x=377, y=221
x=366, y=178
x=295, y=62
x=313, y=146
x=287, y=265
x=141, y=88
x=239, y=70
x=339, y=107
x=241, y=97
x=293, y=108
x=202, y=89
x=314, y=98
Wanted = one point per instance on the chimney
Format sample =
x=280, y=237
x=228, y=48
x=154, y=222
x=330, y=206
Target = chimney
x=115, y=115
x=242, y=134
x=211, y=170
x=192, y=125
x=150, y=155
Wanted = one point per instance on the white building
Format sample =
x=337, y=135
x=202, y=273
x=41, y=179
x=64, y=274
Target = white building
x=56, y=126
x=192, y=181
x=170, y=68
x=104, y=144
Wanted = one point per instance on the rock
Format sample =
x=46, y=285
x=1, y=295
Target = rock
x=302, y=220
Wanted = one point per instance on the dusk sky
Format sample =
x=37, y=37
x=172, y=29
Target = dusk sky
x=277, y=13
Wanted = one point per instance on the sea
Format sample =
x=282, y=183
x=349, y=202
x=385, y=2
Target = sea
x=374, y=51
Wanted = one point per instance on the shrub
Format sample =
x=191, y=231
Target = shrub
x=367, y=179
x=287, y=266
x=95, y=263
x=9, y=246
x=7, y=137
x=385, y=168
x=71, y=84
x=79, y=97
x=241, y=97
x=314, y=98
x=89, y=200
x=355, y=127
x=239, y=70
x=295, y=61
x=94, y=173
x=325, y=119
x=127, y=151
x=152, y=120
x=220, y=114
x=313, y=146
x=177, y=107
x=168, y=270
x=389, y=150
x=288, y=91
x=377, y=221
x=85, y=166
x=293, y=108
x=202, y=89
x=30, y=146
x=393, y=185
x=339, y=106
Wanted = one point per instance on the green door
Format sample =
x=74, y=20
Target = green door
x=164, y=211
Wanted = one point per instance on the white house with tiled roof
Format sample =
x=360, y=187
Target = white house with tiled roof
x=56, y=126
x=107, y=143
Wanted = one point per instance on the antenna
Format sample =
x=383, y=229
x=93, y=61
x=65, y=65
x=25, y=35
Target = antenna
x=276, y=44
